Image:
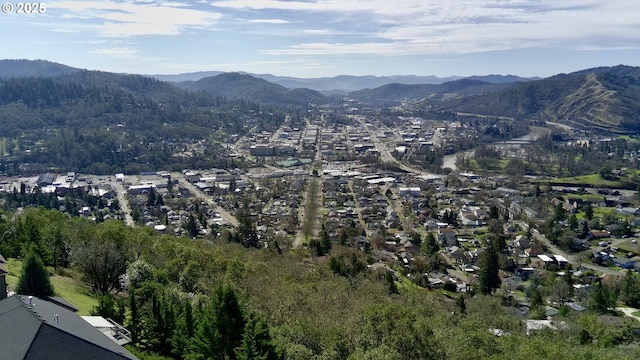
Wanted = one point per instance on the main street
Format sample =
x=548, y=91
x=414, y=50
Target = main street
x=124, y=203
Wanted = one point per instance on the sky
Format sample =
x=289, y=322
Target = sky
x=317, y=38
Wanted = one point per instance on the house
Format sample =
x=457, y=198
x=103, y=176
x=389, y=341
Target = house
x=629, y=211
x=623, y=262
x=524, y=272
x=447, y=236
x=561, y=260
x=547, y=260
x=522, y=241
x=469, y=218
x=534, y=325
x=34, y=328
x=599, y=234
x=45, y=179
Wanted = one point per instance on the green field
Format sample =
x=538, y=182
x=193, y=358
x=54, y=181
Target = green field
x=66, y=287
x=592, y=179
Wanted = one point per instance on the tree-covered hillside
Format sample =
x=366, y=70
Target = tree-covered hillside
x=605, y=99
x=241, y=86
x=101, y=122
x=456, y=88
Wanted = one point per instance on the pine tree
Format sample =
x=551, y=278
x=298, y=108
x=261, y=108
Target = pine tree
x=221, y=326
x=461, y=304
x=489, y=267
x=34, y=279
x=256, y=341
x=430, y=245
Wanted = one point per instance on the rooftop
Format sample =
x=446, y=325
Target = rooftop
x=34, y=328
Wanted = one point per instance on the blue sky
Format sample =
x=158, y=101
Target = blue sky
x=329, y=37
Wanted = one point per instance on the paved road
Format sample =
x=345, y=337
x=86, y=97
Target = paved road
x=124, y=203
x=628, y=312
x=200, y=195
x=386, y=156
x=574, y=259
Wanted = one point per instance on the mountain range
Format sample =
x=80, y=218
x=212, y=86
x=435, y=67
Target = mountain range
x=605, y=99
x=341, y=84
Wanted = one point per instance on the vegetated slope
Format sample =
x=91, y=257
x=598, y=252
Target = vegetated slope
x=242, y=86
x=101, y=122
x=22, y=68
x=446, y=90
x=604, y=99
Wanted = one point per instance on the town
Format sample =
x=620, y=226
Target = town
x=356, y=183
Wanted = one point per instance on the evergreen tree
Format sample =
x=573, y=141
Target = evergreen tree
x=430, y=245
x=151, y=199
x=391, y=283
x=107, y=307
x=256, y=341
x=192, y=226
x=588, y=212
x=325, y=240
x=630, y=290
x=34, y=279
x=461, y=304
x=602, y=298
x=221, y=326
x=489, y=267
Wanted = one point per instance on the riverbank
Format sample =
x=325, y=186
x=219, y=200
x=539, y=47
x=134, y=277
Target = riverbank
x=535, y=132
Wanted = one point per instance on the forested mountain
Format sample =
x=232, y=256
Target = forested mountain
x=22, y=68
x=101, y=122
x=606, y=99
x=242, y=86
x=434, y=92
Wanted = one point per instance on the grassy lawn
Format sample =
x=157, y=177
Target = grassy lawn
x=407, y=284
x=66, y=287
x=636, y=313
x=593, y=179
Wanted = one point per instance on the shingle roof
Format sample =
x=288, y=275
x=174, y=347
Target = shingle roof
x=49, y=331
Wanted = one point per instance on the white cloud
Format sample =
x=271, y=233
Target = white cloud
x=129, y=18
x=116, y=52
x=269, y=21
x=460, y=26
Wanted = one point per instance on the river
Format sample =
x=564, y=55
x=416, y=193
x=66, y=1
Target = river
x=535, y=132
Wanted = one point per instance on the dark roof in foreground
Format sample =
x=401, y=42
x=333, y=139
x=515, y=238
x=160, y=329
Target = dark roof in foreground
x=45, y=330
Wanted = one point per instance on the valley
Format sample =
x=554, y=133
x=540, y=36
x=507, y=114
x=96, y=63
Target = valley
x=345, y=226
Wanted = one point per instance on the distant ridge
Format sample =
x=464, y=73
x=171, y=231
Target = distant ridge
x=25, y=68
x=340, y=84
x=396, y=92
x=343, y=84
